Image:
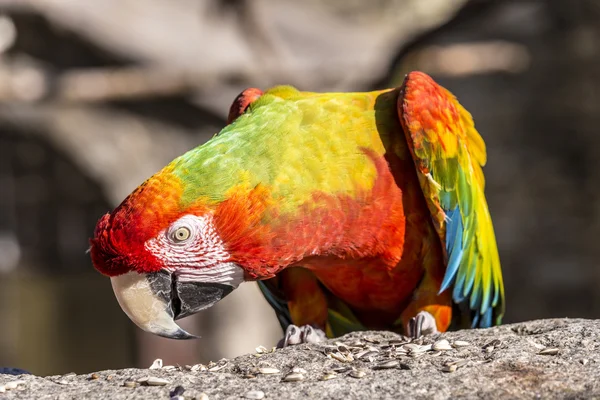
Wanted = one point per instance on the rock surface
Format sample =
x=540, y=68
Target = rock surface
x=556, y=358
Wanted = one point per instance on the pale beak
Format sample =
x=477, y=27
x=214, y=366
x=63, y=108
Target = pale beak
x=154, y=301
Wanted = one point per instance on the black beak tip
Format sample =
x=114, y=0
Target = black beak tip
x=180, y=334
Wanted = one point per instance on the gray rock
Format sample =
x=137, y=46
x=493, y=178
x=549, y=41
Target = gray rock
x=516, y=367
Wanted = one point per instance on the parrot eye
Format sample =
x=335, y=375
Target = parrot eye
x=181, y=234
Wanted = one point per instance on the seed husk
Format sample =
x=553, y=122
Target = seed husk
x=298, y=370
x=268, y=371
x=387, y=364
x=130, y=384
x=293, y=377
x=261, y=349
x=358, y=373
x=155, y=381
x=328, y=375
x=442, y=345
x=365, y=354
x=157, y=364
x=551, y=351
x=255, y=395
x=338, y=356
x=13, y=385
x=94, y=376
x=202, y=396
x=460, y=343
x=217, y=367
x=450, y=368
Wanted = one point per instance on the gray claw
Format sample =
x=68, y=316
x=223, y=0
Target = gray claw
x=422, y=324
x=301, y=334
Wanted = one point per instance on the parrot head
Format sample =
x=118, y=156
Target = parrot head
x=166, y=257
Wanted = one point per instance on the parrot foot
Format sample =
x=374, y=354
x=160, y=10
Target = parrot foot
x=301, y=334
x=422, y=324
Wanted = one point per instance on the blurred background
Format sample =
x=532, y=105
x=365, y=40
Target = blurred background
x=96, y=96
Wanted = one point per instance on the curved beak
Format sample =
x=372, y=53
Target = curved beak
x=154, y=301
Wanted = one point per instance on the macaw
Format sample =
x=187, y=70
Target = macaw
x=352, y=210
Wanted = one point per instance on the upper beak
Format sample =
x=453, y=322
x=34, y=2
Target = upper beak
x=154, y=301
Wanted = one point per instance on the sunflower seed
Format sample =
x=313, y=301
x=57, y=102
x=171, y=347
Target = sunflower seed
x=202, y=396
x=130, y=384
x=397, y=342
x=268, y=371
x=94, y=376
x=387, y=364
x=217, y=367
x=13, y=385
x=552, y=351
x=357, y=373
x=371, y=340
x=458, y=363
x=489, y=349
x=365, y=354
x=2, y=389
x=338, y=356
x=298, y=370
x=154, y=381
x=460, y=343
x=169, y=367
x=157, y=364
x=411, y=347
x=198, y=367
x=255, y=394
x=261, y=350
x=328, y=375
x=584, y=361
x=293, y=377
x=341, y=370
x=442, y=345
x=248, y=376
x=450, y=368
x=357, y=343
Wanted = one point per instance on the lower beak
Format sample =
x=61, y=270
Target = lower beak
x=154, y=301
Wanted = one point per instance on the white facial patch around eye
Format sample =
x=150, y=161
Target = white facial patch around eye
x=203, y=247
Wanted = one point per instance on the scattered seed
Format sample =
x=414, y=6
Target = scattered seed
x=549, y=351
x=457, y=363
x=450, y=368
x=435, y=353
x=489, y=349
x=70, y=374
x=13, y=385
x=2, y=389
x=169, y=367
x=261, y=349
x=365, y=354
x=411, y=347
x=153, y=381
x=293, y=377
x=371, y=340
x=198, y=367
x=178, y=397
x=130, y=384
x=109, y=378
x=94, y=376
x=157, y=364
x=442, y=345
x=268, y=371
x=342, y=370
x=328, y=376
x=248, y=376
x=217, y=367
x=358, y=373
x=460, y=343
x=387, y=364
x=338, y=356
x=298, y=370
x=255, y=394
x=584, y=361
x=61, y=382
x=202, y=396
x=397, y=342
